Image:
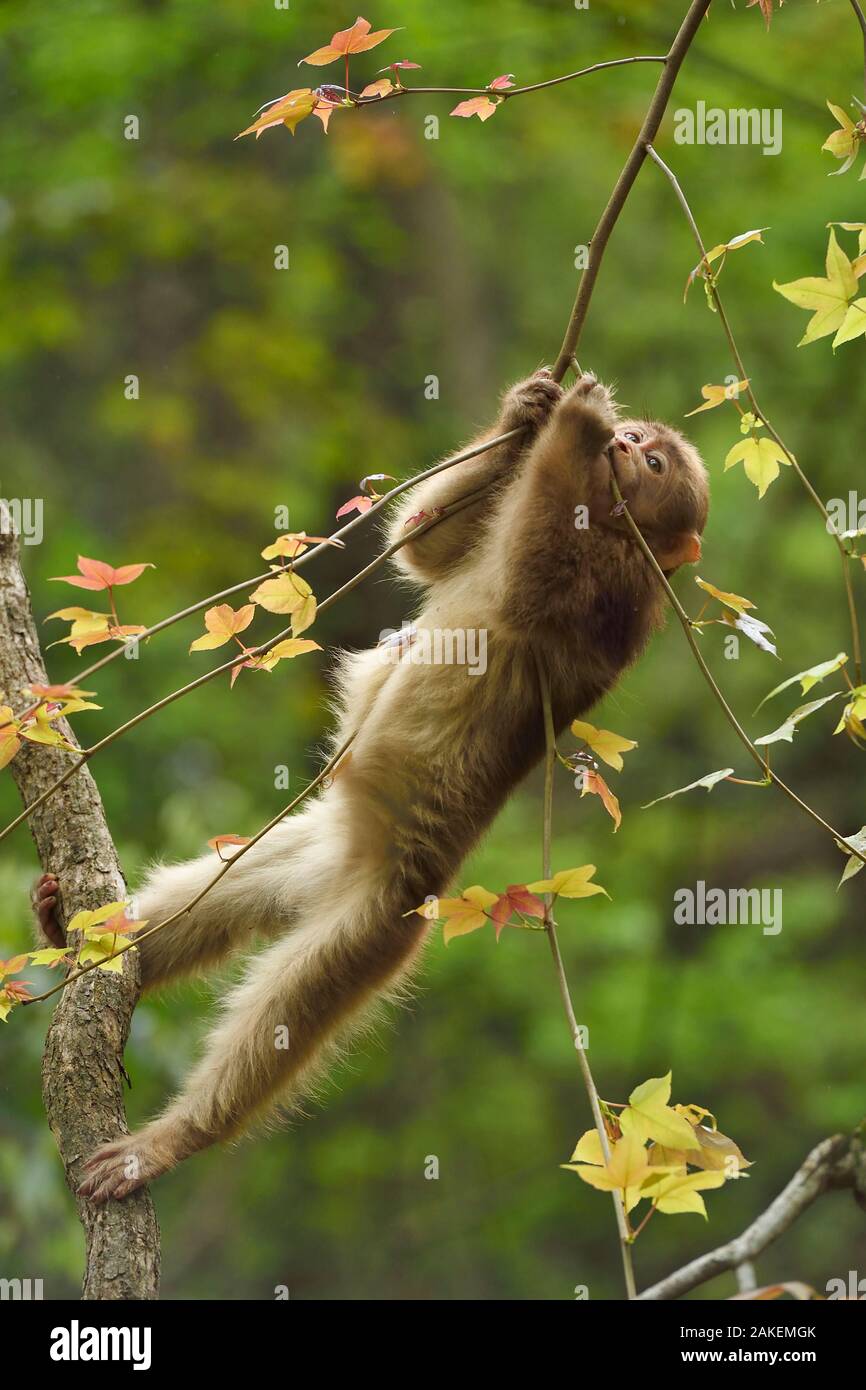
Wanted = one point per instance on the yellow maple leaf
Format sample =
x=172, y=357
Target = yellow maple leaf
x=607, y=745
x=827, y=297
x=648, y=1116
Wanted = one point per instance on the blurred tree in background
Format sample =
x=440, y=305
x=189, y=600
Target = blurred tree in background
x=258, y=387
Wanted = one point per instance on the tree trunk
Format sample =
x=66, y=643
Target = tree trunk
x=82, y=1069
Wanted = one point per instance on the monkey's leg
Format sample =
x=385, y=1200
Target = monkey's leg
x=299, y=997
x=255, y=896
x=525, y=406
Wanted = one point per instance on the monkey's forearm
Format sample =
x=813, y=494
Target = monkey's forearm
x=442, y=547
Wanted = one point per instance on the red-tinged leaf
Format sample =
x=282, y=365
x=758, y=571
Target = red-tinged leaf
x=59, y=692
x=516, y=898
x=19, y=990
x=499, y=84
x=96, y=574
x=482, y=107
x=12, y=965
x=355, y=504
x=324, y=110
x=219, y=840
x=766, y=7
x=109, y=634
x=595, y=785
x=383, y=88
x=356, y=39
x=403, y=63
x=416, y=519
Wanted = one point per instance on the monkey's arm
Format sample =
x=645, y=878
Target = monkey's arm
x=548, y=517
x=525, y=406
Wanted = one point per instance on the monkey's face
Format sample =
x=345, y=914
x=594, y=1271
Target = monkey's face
x=663, y=479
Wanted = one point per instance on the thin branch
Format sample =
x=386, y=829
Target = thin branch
x=403, y=91
x=311, y=554
x=229, y=864
x=744, y=376
x=562, y=979
x=631, y=169
x=262, y=650
x=861, y=20
x=834, y=1163
x=687, y=626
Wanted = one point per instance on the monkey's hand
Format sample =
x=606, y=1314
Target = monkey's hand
x=593, y=412
x=531, y=402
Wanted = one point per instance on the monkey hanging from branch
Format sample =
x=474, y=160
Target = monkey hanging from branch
x=544, y=565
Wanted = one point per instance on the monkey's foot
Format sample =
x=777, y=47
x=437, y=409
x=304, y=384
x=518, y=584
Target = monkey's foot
x=44, y=905
x=116, y=1169
x=531, y=402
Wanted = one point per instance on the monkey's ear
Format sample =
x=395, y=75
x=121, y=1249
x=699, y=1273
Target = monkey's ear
x=682, y=549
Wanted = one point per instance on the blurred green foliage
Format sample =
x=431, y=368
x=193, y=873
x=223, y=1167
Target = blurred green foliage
x=259, y=387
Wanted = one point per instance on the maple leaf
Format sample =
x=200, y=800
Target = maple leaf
x=810, y=677
x=717, y=395
x=96, y=574
x=678, y=1193
x=222, y=623
x=609, y=747
x=516, y=898
x=460, y=915
x=649, y=1116
x=711, y=780
x=219, y=840
x=383, y=88
x=570, y=883
x=286, y=593
x=595, y=785
x=356, y=39
x=288, y=110
x=760, y=459
x=735, y=601
x=355, y=504
x=499, y=84
x=844, y=143
x=627, y=1170
x=482, y=107
x=827, y=297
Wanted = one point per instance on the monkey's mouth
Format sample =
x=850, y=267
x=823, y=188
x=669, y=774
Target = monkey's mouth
x=624, y=464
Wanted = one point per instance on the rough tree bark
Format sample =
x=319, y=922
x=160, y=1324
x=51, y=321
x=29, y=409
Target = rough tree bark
x=82, y=1070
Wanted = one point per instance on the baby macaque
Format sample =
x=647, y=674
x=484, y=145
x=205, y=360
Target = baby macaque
x=543, y=563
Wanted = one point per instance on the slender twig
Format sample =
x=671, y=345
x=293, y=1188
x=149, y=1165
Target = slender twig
x=861, y=20
x=336, y=536
x=228, y=864
x=404, y=91
x=262, y=650
x=559, y=967
x=686, y=624
x=652, y=121
x=831, y=1164
x=744, y=376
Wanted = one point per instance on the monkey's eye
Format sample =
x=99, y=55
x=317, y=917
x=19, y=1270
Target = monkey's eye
x=655, y=463
x=630, y=434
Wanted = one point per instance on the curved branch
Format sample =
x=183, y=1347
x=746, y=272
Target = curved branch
x=834, y=1163
x=631, y=169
